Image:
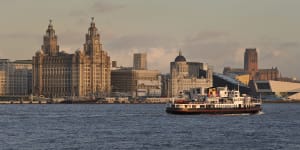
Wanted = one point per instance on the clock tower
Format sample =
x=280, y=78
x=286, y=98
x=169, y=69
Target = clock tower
x=94, y=65
x=92, y=44
x=50, y=46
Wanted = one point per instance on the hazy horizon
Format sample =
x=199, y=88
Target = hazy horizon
x=214, y=32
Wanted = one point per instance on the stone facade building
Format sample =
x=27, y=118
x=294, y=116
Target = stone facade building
x=91, y=67
x=186, y=75
x=58, y=74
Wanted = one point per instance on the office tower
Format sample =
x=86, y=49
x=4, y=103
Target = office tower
x=140, y=61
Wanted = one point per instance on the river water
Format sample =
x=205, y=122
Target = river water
x=145, y=126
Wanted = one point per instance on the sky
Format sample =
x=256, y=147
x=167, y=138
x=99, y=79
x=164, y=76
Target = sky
x=211, y=31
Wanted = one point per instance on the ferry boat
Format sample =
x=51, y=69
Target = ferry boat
x=217, y=101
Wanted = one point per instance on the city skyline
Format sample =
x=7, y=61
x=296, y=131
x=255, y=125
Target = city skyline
x=203, y=30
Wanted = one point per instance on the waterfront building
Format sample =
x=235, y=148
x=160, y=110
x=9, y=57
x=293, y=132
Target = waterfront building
x=242, y=77
x=187, y=75
x=15, y=77
x=140, y=61
x=136, y=82
x=58, y=74
x=5, y=66
x=52, y=69
x=165, y=79
x=91, y=67
x=232, y=83
x=251, y=68
x=275, y=90
x=2, y=83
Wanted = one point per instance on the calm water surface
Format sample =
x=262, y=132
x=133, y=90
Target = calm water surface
x=145, y=127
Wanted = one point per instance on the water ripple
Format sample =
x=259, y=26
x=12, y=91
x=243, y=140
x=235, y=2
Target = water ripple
x=145, y=127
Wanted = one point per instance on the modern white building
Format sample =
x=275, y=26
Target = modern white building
x=273, y=90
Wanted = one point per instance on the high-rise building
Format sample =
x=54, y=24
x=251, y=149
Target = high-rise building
x=85, y=73
x=114, y=64
x=140, y=61
x=2, y=83
x=15, y=77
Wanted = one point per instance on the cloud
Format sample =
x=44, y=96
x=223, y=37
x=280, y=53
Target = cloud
x=238, y=55
x=157, y=58
x=19, y=49
x=161, y=50
x=19, y=35
x=276, y=53
x=160, y=58
x=102, y=7
x=70, y=37
x=140, y=42
x=287, y=45
x=207, y=36
x=67, y=49
x=77, y=13
x=216, y=48
x=96, y=7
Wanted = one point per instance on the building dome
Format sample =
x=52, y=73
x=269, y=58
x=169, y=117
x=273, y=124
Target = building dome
x=180, y=57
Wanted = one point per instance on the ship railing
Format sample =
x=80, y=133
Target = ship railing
x=256, y=101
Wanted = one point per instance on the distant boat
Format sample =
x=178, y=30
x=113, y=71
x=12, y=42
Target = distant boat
x=217, y=101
